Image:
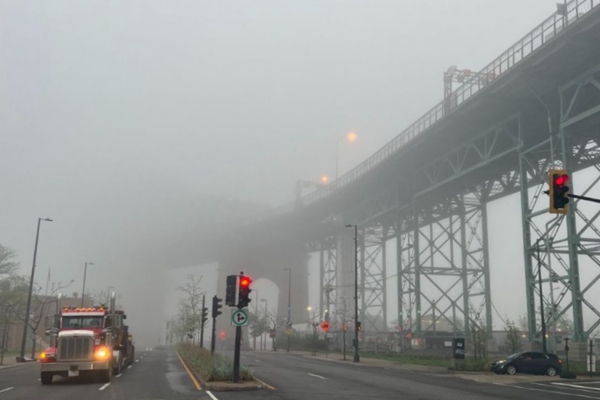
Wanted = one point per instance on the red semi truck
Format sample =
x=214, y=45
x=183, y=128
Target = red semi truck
x=87, y=341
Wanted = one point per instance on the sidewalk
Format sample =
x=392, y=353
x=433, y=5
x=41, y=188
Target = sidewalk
x=10, y=360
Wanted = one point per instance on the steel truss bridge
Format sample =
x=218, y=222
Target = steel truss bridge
x=421, y=201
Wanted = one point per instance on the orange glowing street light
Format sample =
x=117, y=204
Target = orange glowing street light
x=350, y=137
x=324, y=179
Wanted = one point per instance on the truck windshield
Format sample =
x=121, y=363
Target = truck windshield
x=81, y=322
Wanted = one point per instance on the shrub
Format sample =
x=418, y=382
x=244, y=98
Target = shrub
x=210, y=367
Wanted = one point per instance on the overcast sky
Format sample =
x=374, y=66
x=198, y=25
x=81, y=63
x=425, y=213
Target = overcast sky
x=116, y=116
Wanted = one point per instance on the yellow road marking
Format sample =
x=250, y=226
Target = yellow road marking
x=266, y=384
x=192, y=377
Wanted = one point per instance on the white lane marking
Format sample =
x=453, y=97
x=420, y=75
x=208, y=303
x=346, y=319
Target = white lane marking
x=118, y=376
x=6, y=390
x=130, y=367
x=316, y=376
x=256, y=360
x=553, y=391
x=243, y=356
x=137, y=360
x=575, y=386
x=212, y=396
x=105, y=386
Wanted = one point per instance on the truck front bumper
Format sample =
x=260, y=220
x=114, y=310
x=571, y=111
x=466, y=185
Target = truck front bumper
x=73, y=368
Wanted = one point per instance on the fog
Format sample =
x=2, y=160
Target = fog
x=138, y=126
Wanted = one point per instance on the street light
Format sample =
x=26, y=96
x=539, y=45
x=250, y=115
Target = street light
x=289, y=313
x=28, y=309
x=257, y=300
x=350, y=137
x=84, y=276
x=356, y=356
x=266, y=317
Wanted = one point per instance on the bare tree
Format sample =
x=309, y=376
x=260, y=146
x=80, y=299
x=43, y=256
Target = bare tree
x=7, y=265
x=100, y=297
x=190, y=307
x=40, y=307
x=513, y=337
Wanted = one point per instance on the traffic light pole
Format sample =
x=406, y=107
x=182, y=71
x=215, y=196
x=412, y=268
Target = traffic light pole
x=213, y=339
x=236, y=354
x=202, y=327
x=215, y=313
x=544, y=348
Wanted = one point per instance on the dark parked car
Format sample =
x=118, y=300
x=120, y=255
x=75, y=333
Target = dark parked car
x=530, y=362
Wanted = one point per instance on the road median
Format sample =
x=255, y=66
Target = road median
x=214, y=372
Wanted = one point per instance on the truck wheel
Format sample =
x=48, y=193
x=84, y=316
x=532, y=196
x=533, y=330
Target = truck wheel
x=46, y=378
x=106, y=375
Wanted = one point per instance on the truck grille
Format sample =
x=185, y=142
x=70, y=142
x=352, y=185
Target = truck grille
x=73, y=348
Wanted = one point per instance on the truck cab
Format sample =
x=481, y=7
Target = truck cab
x=86, y=341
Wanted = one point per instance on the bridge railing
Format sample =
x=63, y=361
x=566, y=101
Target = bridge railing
x=542, y=34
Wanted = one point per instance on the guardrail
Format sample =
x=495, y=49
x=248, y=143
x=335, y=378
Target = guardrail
x=542, y=34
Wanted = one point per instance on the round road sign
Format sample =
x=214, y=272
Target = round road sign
x=325, y=326
x=239, y=317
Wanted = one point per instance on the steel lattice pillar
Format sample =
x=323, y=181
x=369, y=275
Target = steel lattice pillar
x=373, y=264
x=443, y=266
x=328, y=282
x=563, y=247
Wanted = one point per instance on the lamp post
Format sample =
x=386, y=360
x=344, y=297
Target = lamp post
x=351, y=137
x=289, y=310
x=267, y=318
x=84, y=276
x=28, y=309
x=257, y=300
x=356, y=356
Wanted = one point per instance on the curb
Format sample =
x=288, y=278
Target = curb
x=223, y=386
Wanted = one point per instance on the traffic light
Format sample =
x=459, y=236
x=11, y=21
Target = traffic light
x=231, y=290
x=358, y=326
x=558, y=193
x=204, y=315
x=216, y=307
x=244, y=291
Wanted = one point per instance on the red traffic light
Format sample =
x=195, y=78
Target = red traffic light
x=245, y=281
x=561, y=179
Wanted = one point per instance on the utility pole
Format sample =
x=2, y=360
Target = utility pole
x=28, y=309
x=356, y=356
x=289, y=310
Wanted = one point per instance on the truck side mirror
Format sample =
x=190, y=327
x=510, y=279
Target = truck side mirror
x=124, y=316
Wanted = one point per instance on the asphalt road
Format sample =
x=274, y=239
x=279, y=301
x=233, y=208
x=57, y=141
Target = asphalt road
x=156, y=375
x=295, y=377
x=159, y=375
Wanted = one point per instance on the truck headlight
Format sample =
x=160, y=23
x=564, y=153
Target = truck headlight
x=102, y=353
